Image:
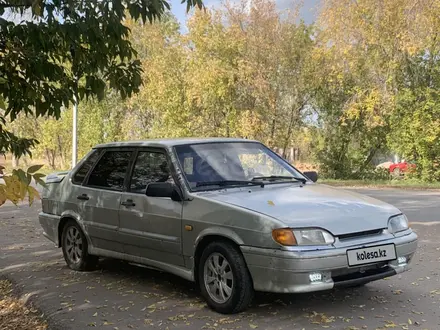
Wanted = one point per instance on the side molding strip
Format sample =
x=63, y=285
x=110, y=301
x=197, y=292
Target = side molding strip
x=187, y=274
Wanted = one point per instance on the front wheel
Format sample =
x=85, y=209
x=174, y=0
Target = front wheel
x=74, y=245
x=224, y=279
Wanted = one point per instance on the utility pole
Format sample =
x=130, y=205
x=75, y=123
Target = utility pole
x=75, y=128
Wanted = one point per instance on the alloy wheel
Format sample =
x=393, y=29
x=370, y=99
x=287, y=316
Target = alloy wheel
x=218, y=278
x=74, y=245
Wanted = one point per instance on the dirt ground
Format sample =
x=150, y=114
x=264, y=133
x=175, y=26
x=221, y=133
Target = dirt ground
x=15, y=314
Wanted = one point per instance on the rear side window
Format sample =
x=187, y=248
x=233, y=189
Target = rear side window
x=110, y=171
x=80, y=175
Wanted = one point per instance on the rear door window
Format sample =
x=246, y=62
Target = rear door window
x=111, y=170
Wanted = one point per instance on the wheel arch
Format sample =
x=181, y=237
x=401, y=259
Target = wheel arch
x=211, y=235
x=65, y=217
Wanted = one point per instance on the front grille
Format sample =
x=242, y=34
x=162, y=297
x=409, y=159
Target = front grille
x=361, y=234
x=357, y=269
x=369, y=274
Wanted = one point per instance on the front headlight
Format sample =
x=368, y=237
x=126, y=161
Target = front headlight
x=307, y=236
x=398, y=223
x=313, y=237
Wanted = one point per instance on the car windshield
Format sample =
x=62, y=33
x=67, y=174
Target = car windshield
x=209, y=165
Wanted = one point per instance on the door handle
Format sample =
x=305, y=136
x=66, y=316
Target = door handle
x=83, y=197
x=128, y=203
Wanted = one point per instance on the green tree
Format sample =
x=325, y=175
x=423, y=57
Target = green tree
x=160, y=108
x=416, y=130
x=215, y=80
x=362, y=48
x=216, y=51
x=68, y=50
x=42, y=59
x=247, y=72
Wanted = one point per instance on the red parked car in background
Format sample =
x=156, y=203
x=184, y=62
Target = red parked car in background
x=402, y=167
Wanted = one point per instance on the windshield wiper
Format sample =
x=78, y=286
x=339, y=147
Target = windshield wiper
x=280, y=177
x=229, y=183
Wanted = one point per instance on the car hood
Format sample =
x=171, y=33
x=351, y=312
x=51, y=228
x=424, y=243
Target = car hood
x=313, y=205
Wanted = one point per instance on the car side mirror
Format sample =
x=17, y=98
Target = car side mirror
x=163, y=189
x=312, y=175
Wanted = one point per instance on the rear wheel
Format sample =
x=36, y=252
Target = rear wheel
x=224, y=279
x=74, y=245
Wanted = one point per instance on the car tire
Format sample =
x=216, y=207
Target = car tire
x=224, y=279
x=75, y=248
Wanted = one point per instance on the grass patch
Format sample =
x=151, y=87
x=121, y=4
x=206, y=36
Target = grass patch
x=403, y=184
x=14, y=314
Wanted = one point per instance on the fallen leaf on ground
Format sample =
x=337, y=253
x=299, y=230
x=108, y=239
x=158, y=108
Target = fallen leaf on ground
x=14, y=314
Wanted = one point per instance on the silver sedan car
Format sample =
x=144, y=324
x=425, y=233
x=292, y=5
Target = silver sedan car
x=228, y=214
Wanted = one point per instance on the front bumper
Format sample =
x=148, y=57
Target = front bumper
x=289, y=271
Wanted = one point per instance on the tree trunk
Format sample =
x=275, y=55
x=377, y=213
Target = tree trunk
x=272, y=131
x=368, y=159
x=290, y=128
x=52, y=164
x=60, y=151
x=50, y=155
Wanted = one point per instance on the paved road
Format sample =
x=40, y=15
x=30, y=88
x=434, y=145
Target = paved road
x=121, y=296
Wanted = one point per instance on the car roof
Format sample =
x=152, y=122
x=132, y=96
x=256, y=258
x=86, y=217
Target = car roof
x=168, y=142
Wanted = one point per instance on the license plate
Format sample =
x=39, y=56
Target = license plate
x=371, y=254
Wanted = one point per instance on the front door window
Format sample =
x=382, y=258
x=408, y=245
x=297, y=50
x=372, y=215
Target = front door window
x=149, y=167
